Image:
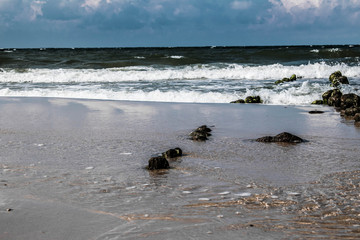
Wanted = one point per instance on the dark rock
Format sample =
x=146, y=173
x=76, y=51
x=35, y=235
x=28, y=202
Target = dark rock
x=282, y=137
x=318, y=102
x=253, y=99
x=336, y=102
x=285, y=79
x=201, y=137
x=316, y=112
x=287, y=137
x=334, y=75
x=342, y=113
x=293, y=77
x=350, y=100
x=351, y=111
x=203, y=128
x=326, y=95
x=201, y=133
x=172, y=153
x=282, y=80
x=343, y=80
x=158, y=163
x=179, y=152
x=265, y=139
x=337, y=78
x=335, y=98
x=357, y=117
x=238, y=101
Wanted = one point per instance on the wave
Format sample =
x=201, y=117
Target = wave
x=153, y=73
x=334, y=50
x=300, y=94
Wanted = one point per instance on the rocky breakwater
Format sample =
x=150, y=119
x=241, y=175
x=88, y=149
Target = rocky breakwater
x=347, y=104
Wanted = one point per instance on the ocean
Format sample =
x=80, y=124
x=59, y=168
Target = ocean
x=180, y=74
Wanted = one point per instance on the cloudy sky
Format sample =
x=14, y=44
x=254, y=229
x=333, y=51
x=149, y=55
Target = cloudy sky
x=124, y=23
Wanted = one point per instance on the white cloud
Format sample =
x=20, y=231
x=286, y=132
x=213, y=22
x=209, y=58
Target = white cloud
x=318, y=6
x=240, y=5
x=299, y=12
x=36, y=9
x=91, y=4
x=289, y=5
x=186, y=9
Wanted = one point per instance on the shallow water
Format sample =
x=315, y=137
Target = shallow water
x=91, y=155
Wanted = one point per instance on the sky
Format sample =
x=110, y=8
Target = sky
x=169, y=23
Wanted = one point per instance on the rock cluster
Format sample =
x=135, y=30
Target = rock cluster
x=201, y=133
x=290, y=79
x=249, y=99
x=284, y=137
x=347, y=104
x=161, y=162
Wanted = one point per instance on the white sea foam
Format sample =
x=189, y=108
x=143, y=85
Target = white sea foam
x=141, y=73
x=334, y=50
x=216, y=83
x=292, y=96
x=176, y=57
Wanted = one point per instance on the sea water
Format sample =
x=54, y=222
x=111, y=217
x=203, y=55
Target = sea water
x=193, y=74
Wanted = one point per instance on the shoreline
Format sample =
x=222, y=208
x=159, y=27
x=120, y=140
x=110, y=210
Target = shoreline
x=80, y=162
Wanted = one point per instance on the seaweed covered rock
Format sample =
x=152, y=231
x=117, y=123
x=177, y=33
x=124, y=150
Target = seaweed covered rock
x=349, y=101
x=253, y=99
x=201, y=133
x=238, y=101
x=291, y=79
x=326, y=95
x=335, y=98
x=318, y=102
x=352, y=111
x=334, y=75
x=357, y=118
x=282, y=137
x=172, y=153
x=158, y=163
x=336, y=78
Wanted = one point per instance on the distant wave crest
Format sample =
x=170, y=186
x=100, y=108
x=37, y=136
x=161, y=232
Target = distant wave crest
x=205, y=71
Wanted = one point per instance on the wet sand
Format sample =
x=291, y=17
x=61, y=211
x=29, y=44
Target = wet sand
x=75, y=169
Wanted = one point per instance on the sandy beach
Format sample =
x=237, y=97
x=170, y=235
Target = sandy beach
x=76, y=169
